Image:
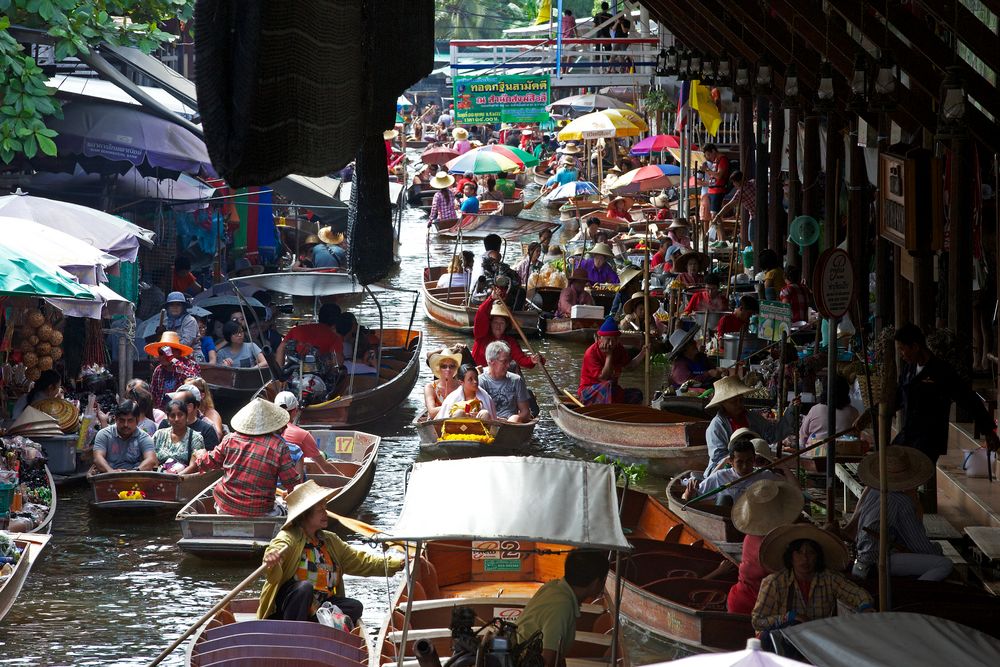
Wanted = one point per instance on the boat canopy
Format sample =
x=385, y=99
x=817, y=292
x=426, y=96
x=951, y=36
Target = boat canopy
x=512, y=497
x=303, y=283
x=504, y=226
x=892, y=638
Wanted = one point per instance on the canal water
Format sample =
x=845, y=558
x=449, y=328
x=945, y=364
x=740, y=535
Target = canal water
x=113, y=590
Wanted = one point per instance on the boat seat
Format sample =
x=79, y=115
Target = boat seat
x=985, y=542
x=347, y=651
x=283, y=661
x=502, y=601
x=396, y=636
x=283, y=628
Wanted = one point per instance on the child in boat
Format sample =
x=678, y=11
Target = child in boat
x=468, y=400
x=176, y=446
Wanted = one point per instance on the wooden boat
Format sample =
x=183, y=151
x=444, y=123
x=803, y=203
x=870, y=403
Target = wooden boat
x=208, y=534
x=515, y=204
x=234, y=637
x=231, y=387
x=443, y=224
x=31, y=545
x=713, y=522
x=539, y=175
x=579, y=206
x=161, y=490
x=667, y=443
x=355, y=455
x=447, y=307
x=417, y=143
x=575, y=330
x=508, y=437
x=45, y=526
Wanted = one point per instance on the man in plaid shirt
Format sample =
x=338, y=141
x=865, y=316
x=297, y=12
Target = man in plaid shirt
x=796, y=294
x=254, y=459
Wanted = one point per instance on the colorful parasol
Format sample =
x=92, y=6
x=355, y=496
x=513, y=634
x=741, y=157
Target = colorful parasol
x=525, y=158
x=578, y=104
x=573, y=189
x=598, y=126
x=643, y=179
x=655, y=144
x=438, y=155
x=482, y=162
x=630, y=116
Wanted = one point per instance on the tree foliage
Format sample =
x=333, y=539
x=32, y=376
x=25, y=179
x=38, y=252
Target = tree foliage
x=72, y=27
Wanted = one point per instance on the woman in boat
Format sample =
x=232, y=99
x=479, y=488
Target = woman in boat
x=237, y=353
x=690, y=266
x=204, y=345
x=48, y=385
x=709, y=299
x=444, y=366
x=661, y=203
x=598, y=266
x=491, y=323
x=132, y=389
x=545, y=239
x=443, y=204
x=175, y=446
x=469, y=400
x=307, y=563
x=635, y=315
x=529, y=263
x=679, y=233
x=144, y=400
x=461, y=144
x=688, y=363
x=618, y=209
x=603, y=363
x=774, y=275
x=807, y=582
x=490, y=192
x=456, y=276
x=207, y=406
x=814, y=426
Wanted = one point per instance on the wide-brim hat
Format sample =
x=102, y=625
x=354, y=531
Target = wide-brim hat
x=460, y=133
x=259, y=417
x=660, y=201
x=601, y=249
x=442, y=180
x=635, y=300
x=579, y=274
x=327, y=235
x=628, y=274
x=434, y=360
x=776, y=541
x=389, y=135
x=168, y=339
x=680, y=339
x=499, y=309
x=614, y=169
x=679, y=223
x=32, y=417
x=554, y=252
x=741, y=433
x=64, y=412
x=304, y=497
x=907, y=468
x=570, y=149
x=726, y=389
x=765, y=505
x=680, y=263
x=619, y=198
x=567, y=160
x=176, y=297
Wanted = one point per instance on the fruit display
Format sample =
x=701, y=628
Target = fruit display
x=39, y=342
x=550, y=275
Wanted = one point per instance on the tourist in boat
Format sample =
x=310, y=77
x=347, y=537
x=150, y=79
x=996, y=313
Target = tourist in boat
x=206, y=407
x=237, y=353
x=319, y=338
x=636, y=319
x=469, y=400
x=254, y=459
x=807, y=583
x=122, y=445
x=461, y=144
x=495, y=273
x=467, y=177
x=567, y=173
x=140, y=394
x=190, y=395
x=176, y=318
x=455, y=276
x=710, y=299
x=443, y=204
x=912, y=554
x=688, y=364
x=204, y=345
x=618, y=209
x=598, y=266
x=814, y=426
x=444, y=365
x=307, y=563
x=545, y=239
x=176, y=445
x=48, y=385
x=554, y=608
x=574, y=294
x=491, y=323
x=330, y=254
x=690, y=267
x=737, y=320
x=174, y=367
x=359, y=341
x=157, y=415
x=529, y=263
x=470, y=202
x=603, y=363
x=732, y=416
x=508, y=391
x=742, y=460
x=490, y=191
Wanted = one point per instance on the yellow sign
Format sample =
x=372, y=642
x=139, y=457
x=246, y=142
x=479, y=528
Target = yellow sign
x=344, y=444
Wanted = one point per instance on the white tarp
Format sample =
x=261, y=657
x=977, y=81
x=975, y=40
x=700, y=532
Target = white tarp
x=64, y=250
x=891, y=639
x=301, y=283
x=524, y=498
x=106, y=302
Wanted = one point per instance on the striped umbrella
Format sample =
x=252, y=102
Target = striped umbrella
x=655, y=144
x=628, y=115
x=598, y=126
x=516, y=154
x=482, y=162
x=643, y=179
x=573, y=189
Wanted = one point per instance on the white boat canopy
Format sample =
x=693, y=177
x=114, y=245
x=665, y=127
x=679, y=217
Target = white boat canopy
x=302, y=283
x=513, y=497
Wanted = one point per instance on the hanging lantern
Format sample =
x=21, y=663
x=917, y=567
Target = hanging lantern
x=953, y=105
x=859, y=85
x=694, y=68
x=886, y=82
x=684, y=64
x=824, y=91
x=708, y=71
x=741, y=80
x=725, y=69
x=671, y=61
x=791, y=87
x=764, y=78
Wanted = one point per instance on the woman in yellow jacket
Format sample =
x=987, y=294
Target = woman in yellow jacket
x=308, y=563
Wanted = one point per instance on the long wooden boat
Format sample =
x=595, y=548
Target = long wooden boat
x=232, y=387
x=208, y=534
x=234, y=637
x=539, y=175
x=450, y=576
x=515, y=204
x=354, y=454
x=712, y=521
x=45, y=525
x=667, y=443
x=31, y=545
x=159, y=490
x=508, y=437
x=447, y=307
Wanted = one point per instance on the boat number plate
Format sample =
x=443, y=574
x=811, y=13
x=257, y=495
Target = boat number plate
x=235, y=530
x=344, y=444
x=501, y=565
x=507, y=613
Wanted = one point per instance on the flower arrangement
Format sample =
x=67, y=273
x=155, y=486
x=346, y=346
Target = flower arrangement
x=135, y=493
x=466, y=430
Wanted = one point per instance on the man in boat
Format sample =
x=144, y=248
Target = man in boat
x=742, y=457
x=498, y=274
x=176, y=318
x=603, y=363
x=123, y=445
x=735, y=321
x=574, y=294
x=190, y=395
x=554, y=608
x=254, y=459
x=508, y=391
x=470, y=202
x=307, y=563
x=298, y=436
x=588, y=232
x=490, y=324
x=598, y=265
x=330, y=254
x=567, y=173
x=688, y=364
x=174, y=367
x=732, y=416
x=319, y=338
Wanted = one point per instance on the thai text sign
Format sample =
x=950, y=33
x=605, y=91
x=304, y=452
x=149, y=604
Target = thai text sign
x=508, y=98
x=834, y=283
x=775, y=318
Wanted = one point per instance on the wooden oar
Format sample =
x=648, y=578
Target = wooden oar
x=858, y=424
x=529, y=205
x=359, y=527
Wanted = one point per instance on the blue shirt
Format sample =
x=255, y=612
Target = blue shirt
x=563, y=177
x=470, y=205
x=329, y=256
x=207, y=345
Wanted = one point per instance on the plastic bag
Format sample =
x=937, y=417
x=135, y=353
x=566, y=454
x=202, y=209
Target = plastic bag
x=331, y=615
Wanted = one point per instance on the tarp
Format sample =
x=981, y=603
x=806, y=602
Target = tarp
x=169, y=79
x=505, y=226
x=106, y=301
x=64, y=250
x=311, y=191
x=891, y=639
x=513, y=497
x=105, y=90
x=301, y=283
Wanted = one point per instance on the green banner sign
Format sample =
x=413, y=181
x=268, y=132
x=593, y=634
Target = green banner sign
x=511, y=98
x=502, y=565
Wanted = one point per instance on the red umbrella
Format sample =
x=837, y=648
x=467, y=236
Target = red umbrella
x=438, y=155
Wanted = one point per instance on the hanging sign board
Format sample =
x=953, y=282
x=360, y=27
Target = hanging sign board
x=910, y=195
x=506, y=98
x=833, y=282
x=775, y=318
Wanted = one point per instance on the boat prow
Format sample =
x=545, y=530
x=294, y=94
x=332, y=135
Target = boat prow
x=155, y=491
x=31, y=545
x=354, y=455
x=485, y=436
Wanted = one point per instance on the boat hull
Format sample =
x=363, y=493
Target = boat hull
x=32, y=545
x=508, y=438
x=573, y=330
x=355, y=456
x=449, y=309
x=207, y=534
x=232, y=388
x=163, y=491
x=712, y=521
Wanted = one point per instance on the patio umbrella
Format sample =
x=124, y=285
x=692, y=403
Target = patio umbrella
x=643, y=179
x=573, y=189
x=482, y=162
x=66, y=251
x=655, y=144
x=752, y=656
x=101, y=230
x=438, y=155
x=695, y=156
x=30, y=276
x=523, y=157
x=598, y=126
x=578, y=104
x=628, y=115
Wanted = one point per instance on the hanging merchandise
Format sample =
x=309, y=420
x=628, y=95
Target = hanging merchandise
x=38, y=341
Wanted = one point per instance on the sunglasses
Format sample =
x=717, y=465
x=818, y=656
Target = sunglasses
x=447, y=366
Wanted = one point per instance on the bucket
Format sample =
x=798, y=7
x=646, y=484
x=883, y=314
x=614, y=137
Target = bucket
x=6, y=496
x=974, y=462
x=804, y=231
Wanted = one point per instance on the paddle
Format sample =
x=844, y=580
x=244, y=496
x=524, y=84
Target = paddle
x=359, y=527
x=859, y=423
x=529, y=205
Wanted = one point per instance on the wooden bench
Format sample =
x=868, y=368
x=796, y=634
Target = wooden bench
x=985, y=543
x=505, y=601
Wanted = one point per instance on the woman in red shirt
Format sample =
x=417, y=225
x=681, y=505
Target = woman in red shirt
x=490, y=324
x=618, y=209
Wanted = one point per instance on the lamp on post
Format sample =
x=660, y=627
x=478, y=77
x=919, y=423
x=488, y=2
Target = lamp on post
x=670, y=61
x=859, y=85
x=741, y=79
x=824, y=91
x=886, y=81
x=724, y=71
x=708, y=71
x=694, y=67
x=953, y=105
x=791, y=92
x=764, y=79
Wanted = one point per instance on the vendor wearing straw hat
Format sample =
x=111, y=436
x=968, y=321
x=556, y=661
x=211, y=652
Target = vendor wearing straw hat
x=491, y=323
x=254, y=459
x=574, y=294
x=637, y=319
x=307, y=562
x=566, y=173
x=742, y=459
x=690, y=267
x=807, y=582
x=174, y=367
x=443, y=203
x=598, y=266
x=603, y=363
x=688, y=363
x=330, y=253
x=461, y=144
x=618, y=209
x=912, y=554
x=709, y=299
x=728, y=397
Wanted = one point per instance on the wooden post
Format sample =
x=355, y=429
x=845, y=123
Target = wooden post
x=792, y=255
x=810, y=183
x=885, y=413
x=960, y=251
x=760, y=175
x=857, y=223
x=777, y=220
x=746, y=159
x=834, y=161
x=645, y=312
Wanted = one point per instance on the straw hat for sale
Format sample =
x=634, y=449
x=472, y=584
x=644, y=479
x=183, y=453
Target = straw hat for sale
x=765, y=505
x=680, y=339
x=34, y=421
x=660, y=201
x=460, y=134
x=327, y=235
x=579, y=274
x=601, y=249
x=259, y=417
x=389, y=135
x=907, y=468
x=726, y=389
x=776, y=541
x=304, y=497
x=434, y=360
x=442, y=180
x=64, y=412
x=169, y=339
x=570, y=149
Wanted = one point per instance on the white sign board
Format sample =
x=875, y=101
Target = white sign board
x=833, y=283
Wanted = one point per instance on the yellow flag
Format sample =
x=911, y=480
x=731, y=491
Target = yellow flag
x=544, y=12
x=701, y=101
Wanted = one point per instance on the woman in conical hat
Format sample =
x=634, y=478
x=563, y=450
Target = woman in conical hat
x=307, y=562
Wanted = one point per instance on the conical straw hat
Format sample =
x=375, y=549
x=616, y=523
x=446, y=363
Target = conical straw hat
x=259, y=417
x=727, y=388
x=32, y=417
x=765, y=505
x=304, y=497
